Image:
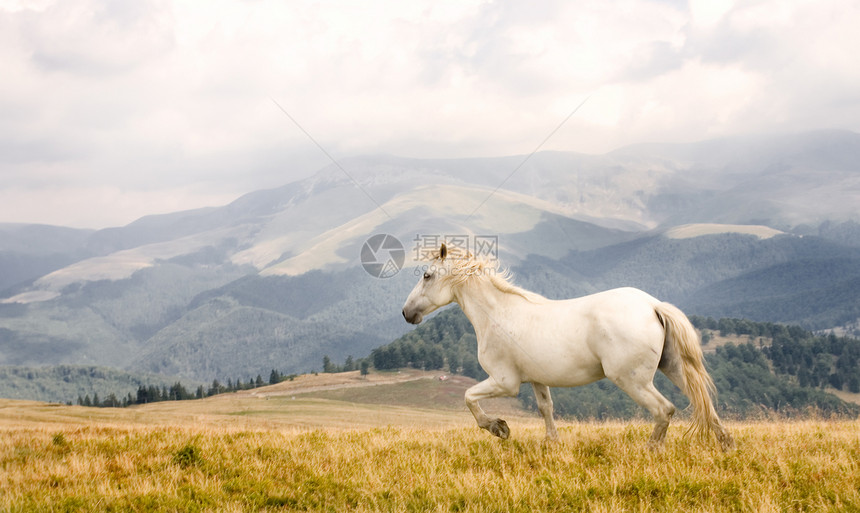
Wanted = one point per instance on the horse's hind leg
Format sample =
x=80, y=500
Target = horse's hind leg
x=544, y=403
x=647, y=396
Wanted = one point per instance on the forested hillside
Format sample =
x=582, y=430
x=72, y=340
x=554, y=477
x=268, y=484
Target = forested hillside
x=786, y=377
x=66, y=383
x=447, y=341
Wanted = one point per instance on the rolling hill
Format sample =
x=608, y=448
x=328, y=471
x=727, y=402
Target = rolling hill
x=274, y=279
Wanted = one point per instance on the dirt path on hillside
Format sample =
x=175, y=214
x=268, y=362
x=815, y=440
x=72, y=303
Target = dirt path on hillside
x=447, y=395
x=308, y=383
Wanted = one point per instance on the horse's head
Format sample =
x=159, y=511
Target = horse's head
x=432, y=291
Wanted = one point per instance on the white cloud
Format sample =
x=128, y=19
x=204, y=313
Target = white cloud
x=707, y=13
x=120, y=101
x=92, y=206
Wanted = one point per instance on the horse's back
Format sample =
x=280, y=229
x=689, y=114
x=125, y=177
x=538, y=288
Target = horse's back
x=615, y=304
x=625, y=294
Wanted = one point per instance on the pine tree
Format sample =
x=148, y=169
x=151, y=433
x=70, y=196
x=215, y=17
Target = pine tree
x=274, y=377
x=215, y=388
x=854, y=384
x=453, y=361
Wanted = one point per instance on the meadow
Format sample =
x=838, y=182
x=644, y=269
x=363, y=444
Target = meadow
x=240, y=452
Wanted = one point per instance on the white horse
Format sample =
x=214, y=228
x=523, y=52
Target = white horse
x=622, y=334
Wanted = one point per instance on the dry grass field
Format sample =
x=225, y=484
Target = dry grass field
x=278, y=449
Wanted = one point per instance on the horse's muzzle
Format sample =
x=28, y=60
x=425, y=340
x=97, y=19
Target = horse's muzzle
x=414, y=318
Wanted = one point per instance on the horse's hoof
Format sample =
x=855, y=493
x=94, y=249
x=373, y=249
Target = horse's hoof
x=656, y=447
x=551, y=441
x=500, y=428
x=727, y=443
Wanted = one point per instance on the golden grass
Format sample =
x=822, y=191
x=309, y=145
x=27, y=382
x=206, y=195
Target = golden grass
x=238, y=453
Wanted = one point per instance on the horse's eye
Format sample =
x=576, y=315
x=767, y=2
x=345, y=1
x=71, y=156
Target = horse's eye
x=427, y=276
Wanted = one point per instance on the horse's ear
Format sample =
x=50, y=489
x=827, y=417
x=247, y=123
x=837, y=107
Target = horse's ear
x=443, y=252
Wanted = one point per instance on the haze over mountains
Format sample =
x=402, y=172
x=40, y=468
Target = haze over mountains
x=274, y=279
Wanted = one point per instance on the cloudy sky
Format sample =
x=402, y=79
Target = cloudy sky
x=113, y=109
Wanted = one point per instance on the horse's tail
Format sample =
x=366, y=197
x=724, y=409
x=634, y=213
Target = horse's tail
x=698, y=385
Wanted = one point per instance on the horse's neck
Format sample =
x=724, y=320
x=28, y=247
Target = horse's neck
x=485, y=305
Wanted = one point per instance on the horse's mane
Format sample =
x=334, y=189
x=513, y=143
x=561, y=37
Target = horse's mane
x=465, y=267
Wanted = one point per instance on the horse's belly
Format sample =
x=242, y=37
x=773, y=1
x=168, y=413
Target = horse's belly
x=569, y=380
x=563, y=370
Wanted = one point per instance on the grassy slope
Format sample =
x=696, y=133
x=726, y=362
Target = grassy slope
x=266, y=450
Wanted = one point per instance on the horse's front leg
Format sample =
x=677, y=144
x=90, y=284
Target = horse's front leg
x=485, y=390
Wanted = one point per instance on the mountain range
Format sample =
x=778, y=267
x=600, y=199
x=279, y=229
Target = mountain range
x=759, y=227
